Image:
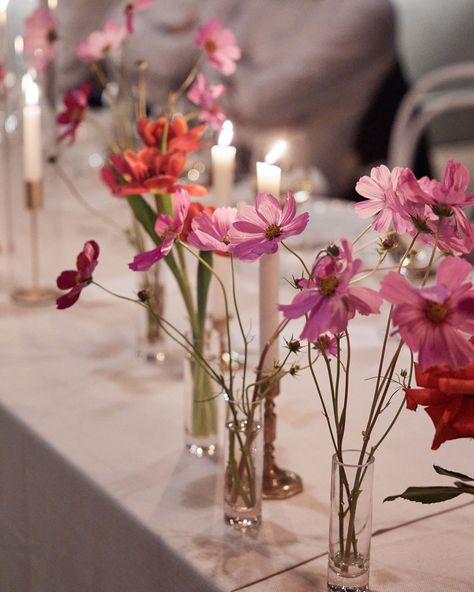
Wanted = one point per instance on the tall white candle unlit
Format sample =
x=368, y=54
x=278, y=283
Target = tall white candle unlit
x=32, y=140
x=268, y=181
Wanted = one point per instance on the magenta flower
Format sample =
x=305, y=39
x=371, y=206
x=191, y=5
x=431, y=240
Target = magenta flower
x=205, y=95
x=167, y=229
x=258, y=230
x=75, y=101
x=41, y=38
x=437, y=208
x=210, y=232
x=100, y=44
x=219, y=44
x=385, y=202
x=328, y=298
x=75, y=280
x=431, y=320
x=130, y=10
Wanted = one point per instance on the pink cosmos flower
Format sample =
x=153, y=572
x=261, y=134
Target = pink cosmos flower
x=41, y=38
x=130, y=10
x=430, y=320
x=100, y=44
x=385, y=202
x=167, y=229
x=432, y=203
x=258, y=230
x=75, y=101
x=328, y=298
x=210, y=232
x=75, y=280
x=205, y=95
x=219, y=44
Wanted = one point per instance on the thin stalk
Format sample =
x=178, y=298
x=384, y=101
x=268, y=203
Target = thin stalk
x=300, y=259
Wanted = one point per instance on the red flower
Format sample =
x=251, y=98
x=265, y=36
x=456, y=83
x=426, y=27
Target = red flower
x=449, y=400
x=147, y=170
x=75, y=100
x=75, y=280
x=180, y=136
x=195, y=209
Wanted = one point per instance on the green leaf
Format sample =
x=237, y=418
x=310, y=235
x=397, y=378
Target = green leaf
x=427, y=495
x=465, y=487
x=145, y=215
x=203, y=281
x=449, y=473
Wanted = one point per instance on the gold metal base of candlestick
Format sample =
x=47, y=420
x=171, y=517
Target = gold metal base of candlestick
x=35, y=296
x=277, y=483
x=281, y=484
x=34, y=195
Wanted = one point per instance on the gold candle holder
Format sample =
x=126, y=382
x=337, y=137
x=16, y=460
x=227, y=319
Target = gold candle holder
x=35, y=295
x=277, y=483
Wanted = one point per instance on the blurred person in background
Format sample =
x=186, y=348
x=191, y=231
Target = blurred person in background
x=321, y=72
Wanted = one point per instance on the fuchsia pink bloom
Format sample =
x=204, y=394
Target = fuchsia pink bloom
x=431, y=320
x=205, y=95
x=210, y=232
x=75, y=101
x=384, y=201
x=328, y=298
x=219, y=44
x=167, y=229
x=130, y=10
x=440, y=203
x=41, y=38
x=258, y=229
x=75, y=280
x=101, y=43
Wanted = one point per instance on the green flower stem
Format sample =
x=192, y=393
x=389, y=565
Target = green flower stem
x=300, y=259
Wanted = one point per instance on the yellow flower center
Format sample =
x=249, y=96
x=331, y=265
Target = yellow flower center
x=436, y=312
x=272, y=232
x=328, y=285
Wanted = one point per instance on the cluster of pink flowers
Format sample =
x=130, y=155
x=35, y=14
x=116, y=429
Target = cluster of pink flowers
x=429, y=209
x=247, y=233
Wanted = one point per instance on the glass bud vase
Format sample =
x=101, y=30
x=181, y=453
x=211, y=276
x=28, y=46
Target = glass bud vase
x=350, y=527
x=243, y=469
x=201, y=398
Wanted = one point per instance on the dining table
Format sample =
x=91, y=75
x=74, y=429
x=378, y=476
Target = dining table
x=97, y=491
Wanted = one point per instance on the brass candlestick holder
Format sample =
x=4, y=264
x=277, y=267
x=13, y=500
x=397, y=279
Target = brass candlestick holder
x=35, y=295
x=277, y=483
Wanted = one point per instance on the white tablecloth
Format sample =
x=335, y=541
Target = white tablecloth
x=98, y=495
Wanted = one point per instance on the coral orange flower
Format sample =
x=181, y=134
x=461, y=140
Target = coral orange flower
x=448, y=398
x=147, y=171
x=179, y=135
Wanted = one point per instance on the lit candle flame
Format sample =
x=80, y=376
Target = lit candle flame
x=276, y=152
x=18, y=44
x=227, y=133
x=52, y=4
x=31, y=90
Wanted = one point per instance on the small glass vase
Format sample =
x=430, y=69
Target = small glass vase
x=243, y=469
x=151, y=340
x=201, y=398
x=350, y=528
